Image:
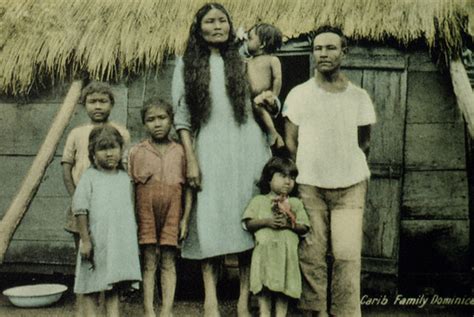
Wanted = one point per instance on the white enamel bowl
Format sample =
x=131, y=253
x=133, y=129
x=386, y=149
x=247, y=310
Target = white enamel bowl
x=38, y=295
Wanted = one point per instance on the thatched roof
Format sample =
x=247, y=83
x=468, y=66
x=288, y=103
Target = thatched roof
x=47, y=40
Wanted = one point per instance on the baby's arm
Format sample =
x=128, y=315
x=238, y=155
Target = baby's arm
x=276, y=75
x=67, y=178
x=188, y=203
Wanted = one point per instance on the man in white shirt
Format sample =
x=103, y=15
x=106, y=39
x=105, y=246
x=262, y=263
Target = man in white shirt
x=327, y=130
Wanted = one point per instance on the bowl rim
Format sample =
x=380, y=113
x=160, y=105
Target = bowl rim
x=61, y=288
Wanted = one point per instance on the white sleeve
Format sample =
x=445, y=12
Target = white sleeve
x=290, y=107
x=366, y=113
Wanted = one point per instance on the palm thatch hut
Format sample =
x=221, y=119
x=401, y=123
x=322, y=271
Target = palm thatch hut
x=404, y=52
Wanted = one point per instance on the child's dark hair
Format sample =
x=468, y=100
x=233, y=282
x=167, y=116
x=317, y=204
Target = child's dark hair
x=104, y=137
x=156, y=102
x=269, y=35
x=331, y=29
x=276, y=164
x=97, y=86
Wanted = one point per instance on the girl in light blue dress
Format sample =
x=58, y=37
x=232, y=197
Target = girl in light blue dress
x=102, y=202
x=225, y=148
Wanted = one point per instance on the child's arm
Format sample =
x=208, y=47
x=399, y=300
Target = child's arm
x=299, y=229
x=276, y=75
x=67, y=178
x=85, y=248
x=188, y=203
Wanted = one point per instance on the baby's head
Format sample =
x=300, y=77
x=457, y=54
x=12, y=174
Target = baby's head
x=264, y=36
x=105, y=147
x=157, y=117
x=278, y=176
x=98, y=99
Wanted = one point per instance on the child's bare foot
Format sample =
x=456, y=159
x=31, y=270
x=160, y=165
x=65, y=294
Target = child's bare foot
x=150, y=312
x=211, y=310
x=243, y=310
x=166, y=312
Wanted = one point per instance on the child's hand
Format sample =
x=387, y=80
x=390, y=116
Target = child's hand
x=183, y=230
x=86, y=250
x=278, y=221
x=193, y=173
x=266, y=100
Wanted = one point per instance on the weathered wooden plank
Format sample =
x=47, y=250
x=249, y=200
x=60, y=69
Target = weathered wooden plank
x=135, y=126
x=435, y=195
x=23, y=127
x=463, y=91
x=437, y=146
x=380, y=265
x=44, y=220
x=386, y=90
x=420, y=61
x=375, y=61
x=136, y=92
x=41, y=252
x=354, y=75
x=434, y=246
x=431, y=99
x=12, y=170
x=159, y=84
x=381, y=219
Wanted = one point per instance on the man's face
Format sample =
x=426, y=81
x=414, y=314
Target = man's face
x=328, y=52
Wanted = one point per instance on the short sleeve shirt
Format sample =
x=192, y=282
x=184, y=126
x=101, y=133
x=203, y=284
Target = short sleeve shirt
x=328, y=154
x=146, y=163
x=76, y=151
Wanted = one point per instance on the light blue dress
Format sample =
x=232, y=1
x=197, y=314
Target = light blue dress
x=231, y=158
x=108, y=200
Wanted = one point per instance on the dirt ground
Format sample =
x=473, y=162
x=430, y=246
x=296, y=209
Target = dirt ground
x=189, y=302
x=132, y=307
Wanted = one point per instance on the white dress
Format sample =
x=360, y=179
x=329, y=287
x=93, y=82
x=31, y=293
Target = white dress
x=113, y=230
x=231, y=158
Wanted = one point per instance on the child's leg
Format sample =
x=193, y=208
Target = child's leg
x=244, y=272
x=265, y=303
x=80, y=305
x=168, y=279
x=281, y=305
x=88, y=303
x=149, y=271
x=209, y=276
x=112, y=303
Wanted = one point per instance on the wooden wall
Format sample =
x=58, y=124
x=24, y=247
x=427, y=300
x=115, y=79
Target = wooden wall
x=417, y=216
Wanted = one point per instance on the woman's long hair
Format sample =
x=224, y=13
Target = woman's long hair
x=197, y=72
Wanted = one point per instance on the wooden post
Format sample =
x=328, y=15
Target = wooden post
x=32, y=180
x=463, y=91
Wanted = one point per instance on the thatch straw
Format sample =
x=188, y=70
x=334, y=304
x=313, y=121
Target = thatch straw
x=49, y=40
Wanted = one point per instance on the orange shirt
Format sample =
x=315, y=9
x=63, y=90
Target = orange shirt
x=146, y=163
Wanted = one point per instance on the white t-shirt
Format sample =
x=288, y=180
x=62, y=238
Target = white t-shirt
x=328, y=154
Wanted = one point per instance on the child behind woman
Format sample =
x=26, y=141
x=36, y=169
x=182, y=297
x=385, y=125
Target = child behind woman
x=264, y=73
x=103, y=206
x=277, y=221
x=157, y=167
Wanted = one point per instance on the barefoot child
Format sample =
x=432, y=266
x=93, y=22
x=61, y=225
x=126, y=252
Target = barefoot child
x=157, y=167
x=277, y=221
x=264, y=73
x=98, y=101
x=102, y=203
